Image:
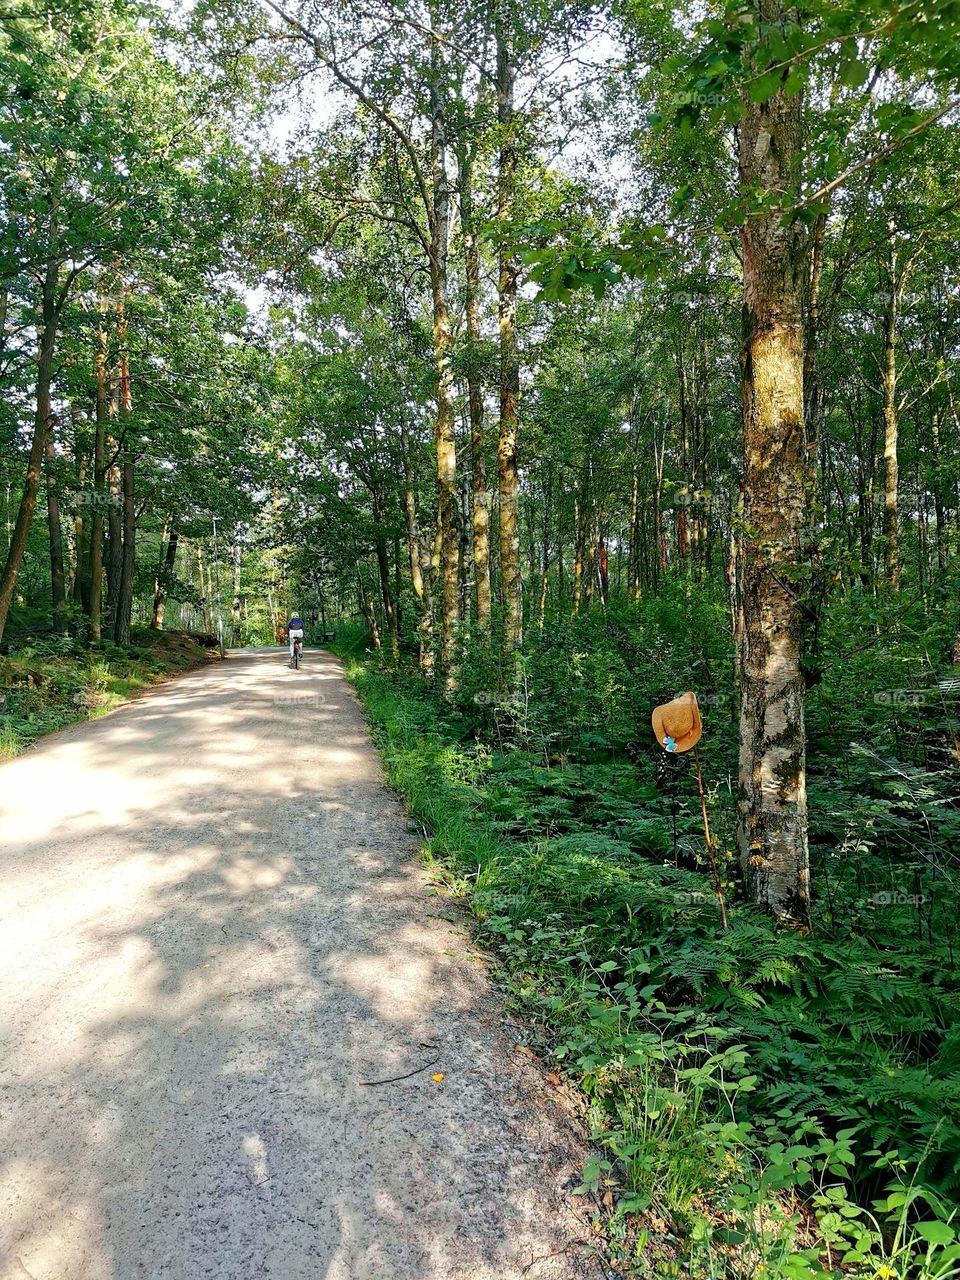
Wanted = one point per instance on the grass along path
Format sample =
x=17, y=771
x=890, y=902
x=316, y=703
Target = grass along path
x=763, y=1100
x=48, y=684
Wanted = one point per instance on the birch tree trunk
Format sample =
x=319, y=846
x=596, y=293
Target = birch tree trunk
x=419, y=580
x=891, y=424
x=383, y=569
x=507, y=473
x=121, y=630
x=479, y=495
x=58, y=589
x=444, y=426
x=78, y=587
x=115, y=544
x=772, y=801
x=99, y=463
x=368, y=611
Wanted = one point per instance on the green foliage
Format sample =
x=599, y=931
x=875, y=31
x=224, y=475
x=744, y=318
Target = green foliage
x=757, y=1094
x=49, y=684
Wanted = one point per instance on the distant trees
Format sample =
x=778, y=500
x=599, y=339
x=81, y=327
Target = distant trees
x=113, y=174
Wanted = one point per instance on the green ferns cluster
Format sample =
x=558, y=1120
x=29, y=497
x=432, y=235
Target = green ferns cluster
x=763, y=1102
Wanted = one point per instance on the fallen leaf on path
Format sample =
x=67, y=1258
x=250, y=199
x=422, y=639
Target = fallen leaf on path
x=437, y=1076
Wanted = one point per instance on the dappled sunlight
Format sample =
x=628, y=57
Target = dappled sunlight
x=245, y=874
x=211, y=935
x=395, y=993
x=69, y=1227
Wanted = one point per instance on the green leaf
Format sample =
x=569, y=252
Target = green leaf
x=853, y=73
x=764, y=87
x=935, y=1232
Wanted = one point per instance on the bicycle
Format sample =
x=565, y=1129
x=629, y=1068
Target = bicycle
x=297, y=651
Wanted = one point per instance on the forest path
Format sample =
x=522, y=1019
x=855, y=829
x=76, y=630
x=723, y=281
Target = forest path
x=212, y=929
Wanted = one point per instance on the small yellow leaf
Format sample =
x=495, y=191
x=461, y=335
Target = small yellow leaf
x=437, y=1077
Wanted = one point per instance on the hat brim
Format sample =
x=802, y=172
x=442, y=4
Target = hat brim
x=689, y=740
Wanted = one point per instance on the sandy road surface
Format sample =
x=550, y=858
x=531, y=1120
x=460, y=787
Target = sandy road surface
x=211, y=929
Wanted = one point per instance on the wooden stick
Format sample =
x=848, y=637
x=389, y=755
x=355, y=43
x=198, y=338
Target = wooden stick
x=717, y=886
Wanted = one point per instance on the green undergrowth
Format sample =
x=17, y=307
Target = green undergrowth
x=50, y=683
x=762, y=1102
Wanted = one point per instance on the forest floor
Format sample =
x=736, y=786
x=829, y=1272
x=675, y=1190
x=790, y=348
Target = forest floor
x=240, y=1037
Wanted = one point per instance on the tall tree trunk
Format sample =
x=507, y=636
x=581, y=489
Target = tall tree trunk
x=125, y=592
x=772, y=802
x=383, y=568
x=545, y=562
x=683, y=526
x=368, y=611
x=444, y=426
x=479, y=494
x=734, y=592
x=49, y=314
x=507, y=473
x=163, y=578
x=603, y=580
x=812, y=394
x=235, y=612
x=114, y=544
x=634, y=580
x=659, y=455
x=99, y=465
x=121, y=629
x=79, y=586
x=941, y=529
x=418, y=578
x=58, y=588
x=590, y=568
x=891, y=425
x=583, y=518
x=397, y=580
x=923, y=528
x=446, y=491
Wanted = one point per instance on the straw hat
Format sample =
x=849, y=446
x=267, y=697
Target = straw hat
x=677, y=724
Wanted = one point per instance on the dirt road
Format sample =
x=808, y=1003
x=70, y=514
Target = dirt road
x=212, y=929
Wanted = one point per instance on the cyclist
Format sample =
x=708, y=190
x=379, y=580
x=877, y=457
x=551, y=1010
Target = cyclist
x=294, y=632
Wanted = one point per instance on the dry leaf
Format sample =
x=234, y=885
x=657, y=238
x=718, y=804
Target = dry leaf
x=437, y=1077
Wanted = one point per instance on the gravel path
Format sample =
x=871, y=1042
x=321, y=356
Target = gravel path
x=212, y=928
